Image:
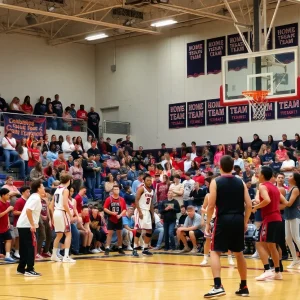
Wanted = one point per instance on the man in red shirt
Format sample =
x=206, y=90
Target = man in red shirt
x=115, y=207
x=19, y=205
x=60, y=163
x=199, y=178
x=5, y=235
x=270, y=203
x=81, y=113
x=79, y=200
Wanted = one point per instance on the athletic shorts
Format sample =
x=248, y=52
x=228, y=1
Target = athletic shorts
x=115, y=226
x=145, y=223
x=61, y=221
x=5, y=236
x=228, y=234
x=271, y=232
x=257, y=216
x=198, y=233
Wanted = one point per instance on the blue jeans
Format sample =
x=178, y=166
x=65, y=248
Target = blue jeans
x=51, y=123
x=8, y=154
x=160, y=232
x=90, y=185
x=21, y=165
x=126, y=182
x=75, y=242
x=169, y=235
x=98, y=180
x=59, y=124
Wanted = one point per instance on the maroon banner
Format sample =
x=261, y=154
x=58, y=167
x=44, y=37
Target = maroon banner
x=196, y=113
x=216, y=114
x=177, y=115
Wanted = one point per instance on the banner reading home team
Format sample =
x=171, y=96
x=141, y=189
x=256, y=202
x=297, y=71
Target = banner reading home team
x=177, y=115
x=22, y=126
x=288, y=109
x=196, y=113
x=216, y=114
x=195, y=59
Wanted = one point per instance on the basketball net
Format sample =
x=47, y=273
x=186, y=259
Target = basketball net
x=258, y=102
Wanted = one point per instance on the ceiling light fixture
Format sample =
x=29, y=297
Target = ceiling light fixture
x=163, y=23
x=96, y=37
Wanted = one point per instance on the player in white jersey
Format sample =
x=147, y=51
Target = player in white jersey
x=62, y=218
x=143, y=215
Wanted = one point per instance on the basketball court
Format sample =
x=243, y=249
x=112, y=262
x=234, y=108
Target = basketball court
x=163, y=276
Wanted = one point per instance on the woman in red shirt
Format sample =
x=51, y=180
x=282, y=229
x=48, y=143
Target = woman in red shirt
x=162, y=189
x=34, y=156
x=26, y=106
x=30, y=140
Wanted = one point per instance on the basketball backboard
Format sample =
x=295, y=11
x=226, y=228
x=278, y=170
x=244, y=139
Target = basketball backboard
x=275, y=71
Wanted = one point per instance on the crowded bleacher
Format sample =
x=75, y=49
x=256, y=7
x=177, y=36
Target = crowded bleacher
x=180, y=176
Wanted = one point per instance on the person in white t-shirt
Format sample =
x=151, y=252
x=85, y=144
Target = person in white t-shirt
x=67, y=147
x=9, y=149
x=287, y=167
x=27, y=224
x=188, y=186
x=177, y=189
x=188, y=162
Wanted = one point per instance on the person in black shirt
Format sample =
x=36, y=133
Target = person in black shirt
x=210, y=148
x=230, y=198
x=58, y=110
x=286, y=143
x=3, y=105
x=169, y=209
x=296, y=143
x=256, y=143
x=251, y=190
x=197, y=195
x=40, y=107
x=183, y=216
x=127, y=144
x=89, y=174
x=93, y=122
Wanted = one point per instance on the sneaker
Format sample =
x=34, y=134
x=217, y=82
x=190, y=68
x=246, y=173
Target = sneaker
x=194, y=250
x=146, y=252
x=100, y=250
x=255, y=255
x=68, y=260
x=278, y=276
x=129, y=248
x=60, y=256
x=32, y=274
x=204, y=262
x=294, y=264
x=230, y=261
x=9, y=259
x=16, y=255
x=106, y=251
x=20, y=272
x=55, y=258
x=95, y=251
x=244, y=292
x=185, y=250
x=47, y=255
x=121, y=251
x=135, y=253
x=215, y=292
x=267, y=275
x=39, y=257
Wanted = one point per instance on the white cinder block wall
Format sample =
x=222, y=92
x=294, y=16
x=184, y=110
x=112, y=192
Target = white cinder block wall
x=151, y=73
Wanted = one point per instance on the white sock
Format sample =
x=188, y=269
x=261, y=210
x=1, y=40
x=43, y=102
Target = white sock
x=7, y=255
x=17, y=252
x=145, y=246
x=135, y=245
x=66, y=252
x=54, y=252
x=206, y=256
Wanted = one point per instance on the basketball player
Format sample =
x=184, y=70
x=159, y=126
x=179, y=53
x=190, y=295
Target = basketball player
x=142, y=215
x=271, y=229
x=62, y=218
x=229, y=196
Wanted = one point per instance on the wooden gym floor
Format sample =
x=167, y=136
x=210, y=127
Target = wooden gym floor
x=163, y=276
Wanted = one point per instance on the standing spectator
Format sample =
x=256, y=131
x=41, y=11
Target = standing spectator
x=79, y=199
x=26, y=106
x=37, y=172
x=287, y=167
x=188, y=185
x=218, y=155
x=127, y=144
x=30, y=140
x=40, y=108
x=52, y=154
x=93, y=122
x=89, y=175
x=113, y=165
x=67, y=147
x=73, y=111
x=34, y=156
x=197, y=196
x=88, y=143
x=82, y=115
x=177, y=189
x=76, y=172
x=128, y=228
x=58, y=110
x=45, y=160
x=211, y=149
x=67, y=119
x=79, y=143
x=5, y=235
x=238, y=161
x=9, y=149
x=162, y=189
x=169, y=209
x=77, y=153
x=51, y=116
x=256, y=143
x=61, y=164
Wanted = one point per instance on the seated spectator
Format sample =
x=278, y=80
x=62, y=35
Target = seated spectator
x=127, y=144
x=238, y=161
x=79, y=143
x=34, y=156
x=191, y=229
x=132, y=174
x=26, y=106
x=96, y=224
x=169, y=209
x=93, y=150
x=158, y=231
x=102, y=146
x=30, y=140
x=52, y=153
x=128, y=196
x=51, y=178
x=251, y=190
x=137, y=183
x=77, y=153
x=9, y=149
x=67, y=119
x=15, y=105
x=116, y=147
x=60, y=163
x=67, y=147
x=45, y=159
x=199, y=178
x=281, y=152
x=9, y=184
x=5, y=236
x=113, y=165
x=128, y=228
x=40, y=108
x=37, y=172
x=248, y=173
x=88, y=143
x=3, y=105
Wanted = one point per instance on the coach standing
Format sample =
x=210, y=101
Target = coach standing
x=27, y=224
x=230, y=199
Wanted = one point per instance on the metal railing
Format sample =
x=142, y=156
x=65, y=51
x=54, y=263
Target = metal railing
x=114, y=127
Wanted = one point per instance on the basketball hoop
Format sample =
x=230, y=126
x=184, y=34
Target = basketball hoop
x=259, y=103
